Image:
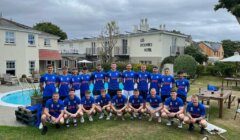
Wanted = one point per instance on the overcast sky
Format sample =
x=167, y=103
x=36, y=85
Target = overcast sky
x=86, y=18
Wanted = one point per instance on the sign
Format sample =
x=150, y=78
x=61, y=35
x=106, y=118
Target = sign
x=143, y=44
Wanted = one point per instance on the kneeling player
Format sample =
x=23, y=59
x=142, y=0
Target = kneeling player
x=53, y=112
x=195, y=114
x=103, y=104
x=173, y=108
x=135, y=105
x=154, y=105
x=88, y=106
x=119, y=104
x=72, y=108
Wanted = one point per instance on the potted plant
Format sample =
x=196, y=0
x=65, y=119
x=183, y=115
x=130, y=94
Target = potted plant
x=36, y=97
x=23, y=78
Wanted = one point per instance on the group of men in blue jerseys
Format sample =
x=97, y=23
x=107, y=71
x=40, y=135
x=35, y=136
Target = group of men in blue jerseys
x=67, y=97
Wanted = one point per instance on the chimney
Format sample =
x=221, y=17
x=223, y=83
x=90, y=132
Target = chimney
x=135, y=28
x=164, y=27
x=160, y=27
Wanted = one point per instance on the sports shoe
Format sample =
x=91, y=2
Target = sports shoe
x=108, y=117
x=135, y=115
x=67, y=123
x=110, y=114
x=157, y=114
x=139, y=117
x=180, y=124
x=74, y=122
x=169, y=123
x=150, y=119
x=159, y=119
x=40, y=126
x=82, y=120
x=191, y=127
x=44, y=130
x=101, y=116
x=90, y=118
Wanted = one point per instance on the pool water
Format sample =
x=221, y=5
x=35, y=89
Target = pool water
x=23, y=97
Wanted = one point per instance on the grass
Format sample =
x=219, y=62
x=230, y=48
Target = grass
x=100, y=129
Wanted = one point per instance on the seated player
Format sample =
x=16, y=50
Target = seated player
x=53, y=113
x=135, y=105
x=195, y=114
x=88, y=106
x=72, y=108
x=154, y=105
x=173, y=108
x=103, y=104
x=119, y=104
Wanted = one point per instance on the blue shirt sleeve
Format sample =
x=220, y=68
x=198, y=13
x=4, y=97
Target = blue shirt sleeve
x=188, y=107
x=167, y=102
x=42, y=79
x=48, y=104
x=180, y=102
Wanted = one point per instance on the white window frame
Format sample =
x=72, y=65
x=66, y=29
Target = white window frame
x=31, y=39
x=66, y=63
x=11, y=68
x=32, y=66
x=10, y=37
x=47, y=42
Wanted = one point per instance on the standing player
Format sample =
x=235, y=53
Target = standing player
x=98, y=78
x=167, y=83
x=173, y=108
x=64, y=83
x=72, y=108
x=195, y=114
x=88, y=106
x=154, y=105
x=84, y=81
x=119, y=104
x=75, y=82
x=53, y=113
x=155, y=80
x=183, y=87
x=142, y=79
x=49, y=79
x=128, y=81
x=113, y=78
x=103, y=103
x=135, y=105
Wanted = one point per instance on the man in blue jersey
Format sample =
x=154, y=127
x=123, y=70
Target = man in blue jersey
x=48, y=84
x=195, y=114
x=173, y=108
x=113, y=80
x=183, y=86
x=135, y=105
x=53, y=113
x=72, y=108
x=142, y=78
x=128, y=78
x=64, y=83
x=103, y=104
x=119, y=104
x=98, y=78
x=167, y=83
x=154, y=105
x=88, y=106
x=75, y=81
x=84, y=81
x=155, y=80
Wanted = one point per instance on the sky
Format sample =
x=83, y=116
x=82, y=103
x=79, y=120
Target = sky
x=87, y=18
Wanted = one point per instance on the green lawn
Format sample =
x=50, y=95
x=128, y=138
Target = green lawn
x=101, y=129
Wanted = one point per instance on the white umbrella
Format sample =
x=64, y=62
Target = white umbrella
x=235, y=58
x=84, y=61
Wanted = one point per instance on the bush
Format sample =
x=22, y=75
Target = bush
x=200, y=69
x=186, y=63
x=168, y=60
x=226, y=69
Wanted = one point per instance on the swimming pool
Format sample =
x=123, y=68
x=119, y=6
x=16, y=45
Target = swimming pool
x=22, y=97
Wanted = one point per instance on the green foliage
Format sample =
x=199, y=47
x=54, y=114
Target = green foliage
x=50, y=28
x=230, y=47
x=232, y=6
x=200, y=69
x=186, y=63
x=168, y=60
x=196, y=54
x=221, y=69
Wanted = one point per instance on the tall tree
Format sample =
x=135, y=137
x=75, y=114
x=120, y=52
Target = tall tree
x=51, y=28
x=230, y=47
x=196, y=53
x=232, y=6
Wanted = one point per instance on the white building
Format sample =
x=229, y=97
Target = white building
x=24, y=50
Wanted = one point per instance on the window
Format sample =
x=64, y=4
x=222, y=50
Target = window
x=145, y=62
x=10, y=67
x=9, y=37
x=31, y=39
x=93, y=48
x=46, y=42
x=75, y=64
x=147, y=50
x=66, y=63
x=124, y=46
x=31, y=66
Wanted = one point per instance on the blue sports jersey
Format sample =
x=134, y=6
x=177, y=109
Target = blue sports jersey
x=154, y=101
x=75, y=81
x=64, y=83
x=54, y=108
x=98, y=78
x=103, y=101
x=50, y=81
x=119, y=102
x=85, y=80
x=136, y=101
x=183, y=86
x=87, y=103
x=128, y=80
x=143, y=78
x=174, y=105
x=167, y=82
x=72, y=104
x=114, y=77
x=196, y=111
x=155, y=80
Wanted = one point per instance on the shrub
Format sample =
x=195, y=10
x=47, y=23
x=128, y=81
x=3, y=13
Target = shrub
x=168, y=60
x=186, y=63
x=200, y=69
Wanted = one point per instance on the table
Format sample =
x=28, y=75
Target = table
x=232, y=80
x=227, y=94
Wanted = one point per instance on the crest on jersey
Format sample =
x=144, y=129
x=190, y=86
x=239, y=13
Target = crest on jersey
x=170, y=103
x=183, y=82
x=69, y=103
x=168, y=78
x=101, y=74
x=191, y=109
x=58, y=106
x=53, y=77
x=46, y=78
x=52, y=105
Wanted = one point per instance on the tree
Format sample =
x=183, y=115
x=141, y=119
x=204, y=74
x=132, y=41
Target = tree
x=108, y=39
x=185, y=63
x=196, y=54
x=230, y=47
x=50, y=28
x=232, y=6
x=168, y=60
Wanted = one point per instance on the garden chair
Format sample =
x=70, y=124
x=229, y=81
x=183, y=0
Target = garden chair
x=238, y=108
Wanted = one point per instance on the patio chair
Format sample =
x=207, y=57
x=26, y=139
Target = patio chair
x=238, y=108
x=9, y=79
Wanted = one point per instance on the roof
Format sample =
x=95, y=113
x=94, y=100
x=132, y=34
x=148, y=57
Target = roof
x=215, y=46
x=46, y=54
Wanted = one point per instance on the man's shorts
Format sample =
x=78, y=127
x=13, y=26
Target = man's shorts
x=182, y=97
x=127, y=93
x=112, y=93
x=44, y=100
